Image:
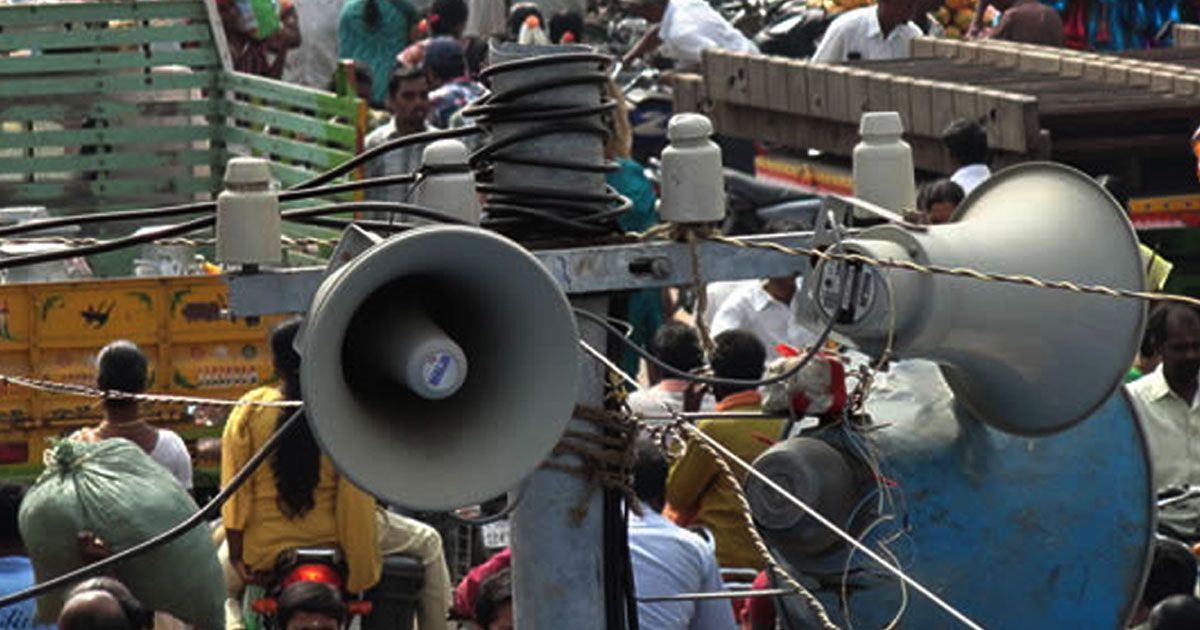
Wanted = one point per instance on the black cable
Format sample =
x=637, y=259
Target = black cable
x=112, y=245
x=394, y=207
x=211, y=508
x=358, y=184
x=386, y=147
x=312, y=216
x=38, y=225
x=366, y=224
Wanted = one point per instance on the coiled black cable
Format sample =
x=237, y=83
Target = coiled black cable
x=529, y=212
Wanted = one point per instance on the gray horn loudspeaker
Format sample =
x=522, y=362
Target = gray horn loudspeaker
x=439, y=367
x=1025, y=360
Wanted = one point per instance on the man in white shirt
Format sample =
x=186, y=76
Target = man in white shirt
x=966, y=140
x=684, y=29
x=764, y=308
x=1166, y=403
x=871, y=33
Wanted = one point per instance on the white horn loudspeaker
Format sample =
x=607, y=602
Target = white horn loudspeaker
x=1025, y=360
x=439, y=367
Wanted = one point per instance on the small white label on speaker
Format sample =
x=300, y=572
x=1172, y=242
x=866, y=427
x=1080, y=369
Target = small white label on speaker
x=440, y=371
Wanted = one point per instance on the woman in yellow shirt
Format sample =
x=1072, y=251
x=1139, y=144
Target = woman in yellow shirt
x=298, y=499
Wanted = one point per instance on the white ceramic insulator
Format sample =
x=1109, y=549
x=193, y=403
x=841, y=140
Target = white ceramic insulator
x=248, y=221
x=693, y=184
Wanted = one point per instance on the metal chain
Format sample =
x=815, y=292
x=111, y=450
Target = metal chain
x=961, y=272
x=305, y=243
x=91, y=392
x=814, y=605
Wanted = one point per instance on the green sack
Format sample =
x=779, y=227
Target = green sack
x=117, y=491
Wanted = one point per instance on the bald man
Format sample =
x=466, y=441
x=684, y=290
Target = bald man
x=103, y=604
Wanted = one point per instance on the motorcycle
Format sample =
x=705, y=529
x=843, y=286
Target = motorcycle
x=391, y=604
x=793, y=29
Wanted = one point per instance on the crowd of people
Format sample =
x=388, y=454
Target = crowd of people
x=423, y=68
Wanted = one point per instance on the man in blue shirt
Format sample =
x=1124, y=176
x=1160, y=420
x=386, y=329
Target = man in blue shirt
x=16, y=572
x=669, y=560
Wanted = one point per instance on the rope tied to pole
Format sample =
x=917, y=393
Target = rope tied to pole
x=606, y=457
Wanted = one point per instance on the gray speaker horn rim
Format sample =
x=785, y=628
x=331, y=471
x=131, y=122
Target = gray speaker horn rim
x=440, y=461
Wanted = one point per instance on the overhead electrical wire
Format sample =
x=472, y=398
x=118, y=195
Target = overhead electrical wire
x=312, y=215
x=386, y=147
x=37, y=225
x=206, y=207
x=108, y=246
x=210, y=509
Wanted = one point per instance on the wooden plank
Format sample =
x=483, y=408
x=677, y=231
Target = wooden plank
x=1186, y=85
x=743, y=121
x=181, y=187
x=816, y=90
x=921, y=108
x=901, y=94
x=112, y=135
x=121, y=161
x=1116, y=73
x=86, y=38
x=772, y=127
x=320, y=157
x=716, y=80
x=1039, y=62
x=216, y=25
x=945, y=48
x=879, y=92
x=757, y=86
x=739, y=76
x=1140, y=77
x=797, y=87
x=922, y=47
x=778, y=70
x=1162, y=81
x=282, y=93
x=317, y=129
x=1185, y=35
x=1071, y=67
x=1094, y=70
x=1012, y=121
x=29, y=14
x=857, y=86
x=80, y=108
x=942, y=98
x=687, y=92
x=106, y=84
x=99, y=61
x=837, y=105
x=968, y=51
x=966, y=103
x=999, y=56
